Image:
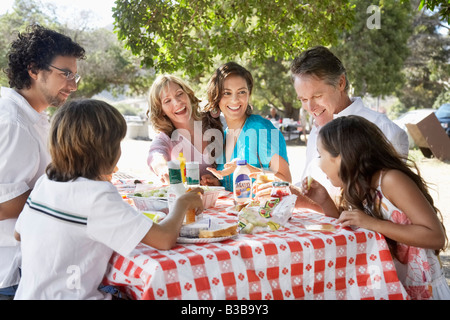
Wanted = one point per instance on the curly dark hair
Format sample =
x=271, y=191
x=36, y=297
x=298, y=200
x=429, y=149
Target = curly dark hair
x=34, y=50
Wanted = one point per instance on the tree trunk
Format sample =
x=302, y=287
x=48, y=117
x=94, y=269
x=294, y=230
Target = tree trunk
x=290, y=111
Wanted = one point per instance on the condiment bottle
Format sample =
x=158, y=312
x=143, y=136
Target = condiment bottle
x=280, y=189
x=192, y=174
x=176, y=187
x=182, y=166
x=192, y=181
x=242, y=183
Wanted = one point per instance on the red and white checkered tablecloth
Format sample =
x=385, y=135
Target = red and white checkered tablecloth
x=292, y=263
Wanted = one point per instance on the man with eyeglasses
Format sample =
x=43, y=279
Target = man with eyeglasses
x=42, y=72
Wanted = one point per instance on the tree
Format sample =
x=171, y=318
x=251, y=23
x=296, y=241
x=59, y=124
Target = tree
x=427, y=69
x=108, y=65
x=274, y=86
x=442, y=6
x=374, y=52
x=25, y=12
x=189, y=35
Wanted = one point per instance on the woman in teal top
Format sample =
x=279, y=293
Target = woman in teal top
x=249, y=137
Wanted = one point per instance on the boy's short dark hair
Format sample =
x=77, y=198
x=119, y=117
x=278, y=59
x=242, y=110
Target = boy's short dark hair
x=320, y=62
x=85, y=137
x=35, y=49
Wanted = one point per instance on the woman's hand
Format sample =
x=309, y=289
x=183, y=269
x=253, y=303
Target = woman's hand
x=164, y=177
x=160, y=168
x=209, y=180
x=229, y=168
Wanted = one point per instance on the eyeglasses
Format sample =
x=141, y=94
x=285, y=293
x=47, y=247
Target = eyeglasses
x=68, y=74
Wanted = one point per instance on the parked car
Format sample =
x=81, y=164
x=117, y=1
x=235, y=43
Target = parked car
x=443, y=115
x=412, y=116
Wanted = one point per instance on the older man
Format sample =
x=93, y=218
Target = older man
x=320, y=81
x=42, y=72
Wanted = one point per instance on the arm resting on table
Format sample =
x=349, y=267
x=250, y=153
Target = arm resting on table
x=12, y=208
x=164, y=235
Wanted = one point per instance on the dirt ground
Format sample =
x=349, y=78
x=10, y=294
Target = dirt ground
x=435, y=172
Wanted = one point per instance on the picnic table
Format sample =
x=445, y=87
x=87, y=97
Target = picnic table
x=290, y=263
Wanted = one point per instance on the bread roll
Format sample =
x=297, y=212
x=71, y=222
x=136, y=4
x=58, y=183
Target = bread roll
x=223, y=232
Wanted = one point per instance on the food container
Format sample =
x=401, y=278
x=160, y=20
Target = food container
x=210, y=196
x=127, y=186
x=280, y=189
x=150, y=203
x=160, y=203
x=155, y=216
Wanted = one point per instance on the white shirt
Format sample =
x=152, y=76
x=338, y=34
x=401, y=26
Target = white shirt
x=393, y=133
x=68, y=232
x=23, y=159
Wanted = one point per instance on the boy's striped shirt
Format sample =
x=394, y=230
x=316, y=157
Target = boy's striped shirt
x=58, y=214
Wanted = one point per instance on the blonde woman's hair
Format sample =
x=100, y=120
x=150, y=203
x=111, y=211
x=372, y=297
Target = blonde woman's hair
x=85, y=137
x=159, y=121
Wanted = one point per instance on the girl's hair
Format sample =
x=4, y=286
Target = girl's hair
x=364, y=151
x=159, y=121
x=85, y=137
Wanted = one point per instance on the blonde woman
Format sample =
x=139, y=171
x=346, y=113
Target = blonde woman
x=175, y=114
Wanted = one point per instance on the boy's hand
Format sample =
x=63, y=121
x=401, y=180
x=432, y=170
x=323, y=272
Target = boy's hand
x=192, y=200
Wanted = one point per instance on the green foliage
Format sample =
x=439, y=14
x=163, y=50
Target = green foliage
x=442, y=6
x=396, y=110
x=25, y=12
x=427, y=71
x=191, y=38
x=189, y=35
x=108, y=65
x=274, y=87
x=374, y=54
x=444, y=97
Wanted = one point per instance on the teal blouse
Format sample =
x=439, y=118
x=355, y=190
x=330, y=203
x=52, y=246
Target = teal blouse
x=257, y=143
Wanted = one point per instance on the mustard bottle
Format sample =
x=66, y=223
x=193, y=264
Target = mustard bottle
x=182, y=166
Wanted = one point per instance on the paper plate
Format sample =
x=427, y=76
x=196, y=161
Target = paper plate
x=231, y=210
x=204, y=240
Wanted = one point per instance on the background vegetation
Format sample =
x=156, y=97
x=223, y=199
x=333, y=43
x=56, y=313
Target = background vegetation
x=394, y=49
